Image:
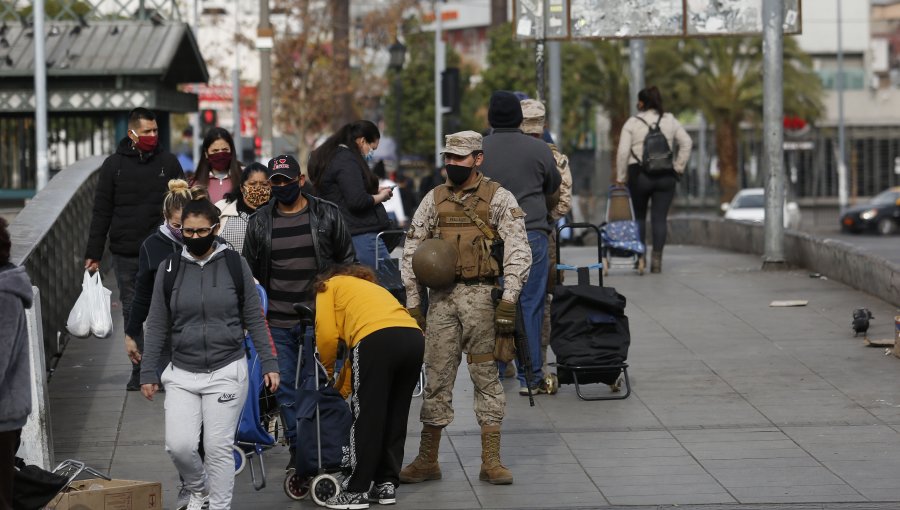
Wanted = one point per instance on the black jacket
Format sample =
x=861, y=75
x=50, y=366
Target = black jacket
x=128, y=202
x=330, y=237
x=154, y=250
x=344, y=184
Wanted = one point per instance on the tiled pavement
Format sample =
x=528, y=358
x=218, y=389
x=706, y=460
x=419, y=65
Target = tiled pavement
x=736, y=406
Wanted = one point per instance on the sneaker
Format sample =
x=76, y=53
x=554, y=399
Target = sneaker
x=291, y=462
x=198, y=501
x=535, y=390
x=383, y=494
x=184, y=495
x=349, y=501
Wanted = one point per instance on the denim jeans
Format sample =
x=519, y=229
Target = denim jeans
x=532, y=305
x=364, y=244
x=287, y=344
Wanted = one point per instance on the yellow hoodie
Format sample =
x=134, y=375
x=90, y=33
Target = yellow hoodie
x=350, y=309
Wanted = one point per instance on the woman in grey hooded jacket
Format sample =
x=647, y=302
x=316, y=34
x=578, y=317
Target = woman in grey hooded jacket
x=206, y=381
x=15, y=379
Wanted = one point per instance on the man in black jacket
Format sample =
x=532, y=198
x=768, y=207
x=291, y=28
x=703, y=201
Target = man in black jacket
x=128, y=205
x=289, y=241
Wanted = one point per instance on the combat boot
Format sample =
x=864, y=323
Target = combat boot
x=492, y=471
x=425, y=466
x=656, y=261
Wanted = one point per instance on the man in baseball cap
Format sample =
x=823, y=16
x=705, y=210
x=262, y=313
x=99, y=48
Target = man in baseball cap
x=475, y=213
x=285, y=166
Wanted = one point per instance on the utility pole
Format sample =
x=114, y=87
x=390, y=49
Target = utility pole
x=264, y=45
x=439, y=64
x=773, y=132
x=40, y=96
x=843, y=186
x=636, y=65
x=195, y=117
x=541, y=39
x=236, y=87
x=555, y=58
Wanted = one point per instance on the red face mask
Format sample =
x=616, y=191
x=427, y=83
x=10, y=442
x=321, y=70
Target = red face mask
x=219, y=161
x=146, y=143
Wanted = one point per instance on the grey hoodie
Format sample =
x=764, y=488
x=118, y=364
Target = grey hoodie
x=15, y=367
x=204, y=321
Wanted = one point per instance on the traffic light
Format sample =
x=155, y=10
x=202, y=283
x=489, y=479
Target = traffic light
x=450, y=93
x=208, y=119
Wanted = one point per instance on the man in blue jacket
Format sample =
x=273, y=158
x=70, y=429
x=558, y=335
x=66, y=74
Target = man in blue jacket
x=526, y=167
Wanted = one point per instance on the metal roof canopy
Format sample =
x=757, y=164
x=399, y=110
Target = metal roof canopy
x=103, y=59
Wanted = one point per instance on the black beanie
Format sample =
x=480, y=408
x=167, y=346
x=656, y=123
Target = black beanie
x=505, y=110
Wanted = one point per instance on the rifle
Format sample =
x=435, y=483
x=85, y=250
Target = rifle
x=523, y=353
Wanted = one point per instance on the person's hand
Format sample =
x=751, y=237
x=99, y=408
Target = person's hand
x=416, y=313
x=384, y=194
x=505, y=317
x=149, y=390
x=131, y=349
x=271, y=380
x=92, y=265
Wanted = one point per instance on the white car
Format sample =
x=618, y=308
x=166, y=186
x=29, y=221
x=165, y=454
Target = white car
x=750, y=205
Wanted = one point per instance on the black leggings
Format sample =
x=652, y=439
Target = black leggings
x=657, y=191
x=386, y=367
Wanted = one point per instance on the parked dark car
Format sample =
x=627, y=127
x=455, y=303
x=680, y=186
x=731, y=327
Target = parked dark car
x=881, y=214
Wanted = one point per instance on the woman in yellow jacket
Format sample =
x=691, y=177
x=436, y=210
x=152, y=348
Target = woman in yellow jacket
x=386, y=350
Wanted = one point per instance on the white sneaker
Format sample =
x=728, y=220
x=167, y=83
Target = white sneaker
x=184, y=495
x=198, y=501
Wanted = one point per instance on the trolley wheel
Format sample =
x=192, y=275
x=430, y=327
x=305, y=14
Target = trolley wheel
x=240, y=459
x=552, y=384
x=605, y=266
x=323, y=488
x=642, y=265
x=296, y=486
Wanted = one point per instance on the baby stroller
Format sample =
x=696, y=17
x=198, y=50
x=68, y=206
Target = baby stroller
x=252, y=437
x=589, y=331
x=620, y=233
x=387, y=270
x=323, y=426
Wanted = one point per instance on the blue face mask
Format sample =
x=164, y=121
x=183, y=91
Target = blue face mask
x=370, y=156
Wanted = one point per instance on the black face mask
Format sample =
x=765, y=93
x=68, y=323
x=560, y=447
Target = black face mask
x=198, y=246
x=287, y=194
x=458, y=173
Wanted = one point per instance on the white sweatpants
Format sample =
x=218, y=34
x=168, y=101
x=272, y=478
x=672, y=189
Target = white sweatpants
x=215, y=400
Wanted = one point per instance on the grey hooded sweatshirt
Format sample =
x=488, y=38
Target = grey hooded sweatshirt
x=204, y=322
x=15, y=366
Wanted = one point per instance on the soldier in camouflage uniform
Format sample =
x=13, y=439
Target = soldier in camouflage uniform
x=558, y=205
x=468, y=212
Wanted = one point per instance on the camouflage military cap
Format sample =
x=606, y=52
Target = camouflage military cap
x=462, y=143
x=533, y=113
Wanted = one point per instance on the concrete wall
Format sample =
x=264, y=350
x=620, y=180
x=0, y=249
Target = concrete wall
x=835, y=259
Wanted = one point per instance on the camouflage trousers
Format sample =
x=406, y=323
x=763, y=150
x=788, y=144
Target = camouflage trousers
x=460, y=320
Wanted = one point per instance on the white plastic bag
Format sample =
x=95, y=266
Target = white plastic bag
x=79, y=322
x=101, y=313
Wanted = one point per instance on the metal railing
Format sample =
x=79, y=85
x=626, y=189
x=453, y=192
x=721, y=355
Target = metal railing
x=49, y=237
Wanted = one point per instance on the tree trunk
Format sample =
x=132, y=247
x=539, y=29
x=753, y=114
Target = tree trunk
x=498, y=12
x=726, y=151
x=340, y=23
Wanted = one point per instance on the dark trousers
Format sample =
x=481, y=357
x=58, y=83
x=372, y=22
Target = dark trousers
x=386, y=368
x=9, y=443
x=126, y=269
x=655, y=193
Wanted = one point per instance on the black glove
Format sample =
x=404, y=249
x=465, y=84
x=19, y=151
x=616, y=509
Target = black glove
x=416, y=313
x=505, y=317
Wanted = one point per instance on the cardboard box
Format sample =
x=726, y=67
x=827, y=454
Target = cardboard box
x=99, y=494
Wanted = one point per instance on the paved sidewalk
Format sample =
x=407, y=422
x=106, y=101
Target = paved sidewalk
x=735, y=405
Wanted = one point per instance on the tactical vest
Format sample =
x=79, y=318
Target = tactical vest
x=471, y=234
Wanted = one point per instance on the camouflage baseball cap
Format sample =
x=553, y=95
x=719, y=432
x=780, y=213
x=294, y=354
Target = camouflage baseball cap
x=462, y=143
x=533, y=113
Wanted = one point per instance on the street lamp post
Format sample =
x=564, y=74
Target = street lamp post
x=398, y=57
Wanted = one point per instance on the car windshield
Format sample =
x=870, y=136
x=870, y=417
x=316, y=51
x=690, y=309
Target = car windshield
x=748, y=201
x=885, y=197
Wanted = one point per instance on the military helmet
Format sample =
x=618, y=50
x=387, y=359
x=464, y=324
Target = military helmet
x=434, y=263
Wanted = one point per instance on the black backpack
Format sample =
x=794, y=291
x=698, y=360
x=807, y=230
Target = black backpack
x=657, y=153
x=232, y=260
